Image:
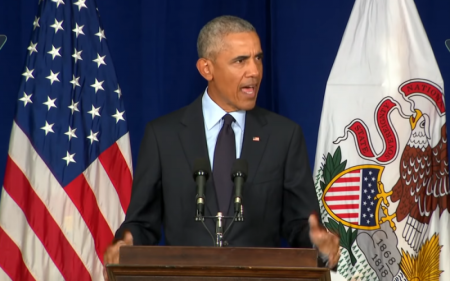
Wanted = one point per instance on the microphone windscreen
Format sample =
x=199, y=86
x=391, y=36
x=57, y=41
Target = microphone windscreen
x=201, y=164
x=240, y=166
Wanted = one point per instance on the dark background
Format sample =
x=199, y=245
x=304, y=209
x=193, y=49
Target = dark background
x=153, y=45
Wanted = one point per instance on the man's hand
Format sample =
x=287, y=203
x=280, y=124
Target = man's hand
x=112, y=252
x=326, y=242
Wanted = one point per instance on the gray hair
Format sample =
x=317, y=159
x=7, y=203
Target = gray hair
x=211, y=34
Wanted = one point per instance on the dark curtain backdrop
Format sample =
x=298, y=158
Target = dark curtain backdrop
x=153, y=45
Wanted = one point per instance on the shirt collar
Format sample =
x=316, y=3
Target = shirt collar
x=212, y=113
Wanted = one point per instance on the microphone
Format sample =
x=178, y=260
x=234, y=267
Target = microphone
x=201, y=174
x=239, y=175
x=2, y=40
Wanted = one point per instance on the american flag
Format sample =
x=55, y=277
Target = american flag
x=352, y=197
x=69, y=171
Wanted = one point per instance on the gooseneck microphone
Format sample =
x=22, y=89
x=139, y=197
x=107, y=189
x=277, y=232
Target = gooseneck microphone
x=201, y=174
x=239, y=175
x=2, y=40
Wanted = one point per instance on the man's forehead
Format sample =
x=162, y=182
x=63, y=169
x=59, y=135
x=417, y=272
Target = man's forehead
x=240, y=41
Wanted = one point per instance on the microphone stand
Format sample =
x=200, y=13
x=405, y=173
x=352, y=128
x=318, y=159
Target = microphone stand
x=218, y=241
x=219, y=230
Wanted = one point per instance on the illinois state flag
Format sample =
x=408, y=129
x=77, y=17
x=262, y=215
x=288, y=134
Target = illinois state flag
x=68, y=177
x=381, y=168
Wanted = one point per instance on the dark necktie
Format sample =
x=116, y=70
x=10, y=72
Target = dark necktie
x=224, y=156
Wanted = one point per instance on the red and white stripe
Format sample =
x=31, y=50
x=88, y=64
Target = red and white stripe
x=344, y=196
x=52, y=233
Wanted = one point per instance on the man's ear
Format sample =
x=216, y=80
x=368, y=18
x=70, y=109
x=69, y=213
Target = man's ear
x=205, y=68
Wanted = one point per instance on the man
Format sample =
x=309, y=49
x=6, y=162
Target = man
x=279, y=195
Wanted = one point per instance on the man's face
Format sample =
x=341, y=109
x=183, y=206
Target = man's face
x=236, y=72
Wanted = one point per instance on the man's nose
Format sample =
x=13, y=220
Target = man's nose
x=253, y=68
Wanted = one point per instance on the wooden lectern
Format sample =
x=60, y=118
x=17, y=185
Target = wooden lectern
x=167, y=263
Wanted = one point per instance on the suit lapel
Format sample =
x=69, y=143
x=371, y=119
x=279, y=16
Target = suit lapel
x=193, y=140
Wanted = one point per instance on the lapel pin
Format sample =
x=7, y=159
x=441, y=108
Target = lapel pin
x=255, y=138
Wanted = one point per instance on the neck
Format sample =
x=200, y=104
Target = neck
x=215, y=97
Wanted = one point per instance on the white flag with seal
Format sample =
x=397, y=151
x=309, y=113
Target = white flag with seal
x=381, y=169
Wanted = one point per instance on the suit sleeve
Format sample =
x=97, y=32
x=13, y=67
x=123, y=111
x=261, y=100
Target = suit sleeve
x=144, y=214
x=299, y=195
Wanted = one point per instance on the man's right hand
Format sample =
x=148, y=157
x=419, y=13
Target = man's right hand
x=112, y=252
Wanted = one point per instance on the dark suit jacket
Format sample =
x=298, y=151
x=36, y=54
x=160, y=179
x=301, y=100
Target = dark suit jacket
x=278, y=196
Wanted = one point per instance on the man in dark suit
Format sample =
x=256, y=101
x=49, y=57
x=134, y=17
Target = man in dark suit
x=279, y=195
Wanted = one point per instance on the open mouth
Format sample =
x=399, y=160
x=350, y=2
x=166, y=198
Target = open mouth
x=249, y=90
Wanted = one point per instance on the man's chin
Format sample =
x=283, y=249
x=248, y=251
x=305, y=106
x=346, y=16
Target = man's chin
x=247, y=105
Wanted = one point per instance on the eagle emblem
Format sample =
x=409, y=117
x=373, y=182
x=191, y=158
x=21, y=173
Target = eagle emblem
x=423, y=182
